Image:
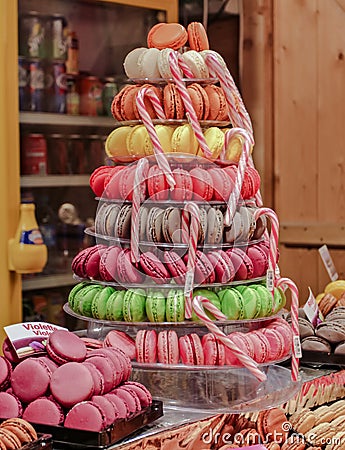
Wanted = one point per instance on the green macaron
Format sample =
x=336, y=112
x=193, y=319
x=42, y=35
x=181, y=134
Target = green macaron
x=212, y=297
x=250, y=300
x=175, y=306
x=231, y=303
x=72, y=295
x=279, y=300
x=134, y=305
x=155, y=307
x=266, y=300
x=84, y=297
x=114, y=309
x=99, y=302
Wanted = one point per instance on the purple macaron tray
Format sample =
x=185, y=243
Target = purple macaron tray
x=68, y=438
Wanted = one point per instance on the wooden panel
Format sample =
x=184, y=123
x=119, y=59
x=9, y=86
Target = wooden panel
x=312, y=234
x=331, y=129
x=305, y=268
x=295, y=109
x=256, y=74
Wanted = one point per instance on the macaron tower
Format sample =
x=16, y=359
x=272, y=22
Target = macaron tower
x=185, y=261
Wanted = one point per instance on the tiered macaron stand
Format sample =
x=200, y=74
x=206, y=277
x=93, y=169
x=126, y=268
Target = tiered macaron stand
x=248, y=385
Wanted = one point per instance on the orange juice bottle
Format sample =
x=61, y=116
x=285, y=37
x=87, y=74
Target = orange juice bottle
x=27, y=252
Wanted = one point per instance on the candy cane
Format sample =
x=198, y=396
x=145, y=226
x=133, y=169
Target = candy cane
x=237, y=111
x=140, y=176
x=285, y=283
x=147, y=91
x=157, y=148
x=185, y=226
x=184, y=67
x=273, y=248
x=199, y=305
x=194, y=211
x=242, y=164
x=190, y=112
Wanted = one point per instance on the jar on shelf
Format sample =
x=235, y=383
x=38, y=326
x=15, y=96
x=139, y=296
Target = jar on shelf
x=24, y=84
x=34, y=154
x=76, y=154
x=58, y=36
x=95, y=149
x=57, y=151
x=91, y=96
x=109, y=91
x=72, y=61
x=33, y=35
x=72, y=96
x=55, y=87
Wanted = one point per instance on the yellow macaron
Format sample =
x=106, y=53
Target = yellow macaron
x=115, y=144
x=138, y=142
x=336, y=288
x=183, y=140
x=214, y=138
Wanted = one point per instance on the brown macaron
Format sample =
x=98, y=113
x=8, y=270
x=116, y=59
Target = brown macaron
x=24, y=431
x=327, y=303
x=270, y=425
x=10, y=440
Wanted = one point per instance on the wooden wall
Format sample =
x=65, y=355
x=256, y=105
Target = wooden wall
x=302, y=119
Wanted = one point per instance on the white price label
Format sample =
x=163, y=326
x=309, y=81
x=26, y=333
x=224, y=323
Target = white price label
x=328, y=262
x=297, y=347
x=270, y=279
x=188, y=286
x=311, y=309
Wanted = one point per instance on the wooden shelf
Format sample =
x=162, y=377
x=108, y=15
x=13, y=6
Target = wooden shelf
x=47, y=282
x=32, y=118
x=30, y=181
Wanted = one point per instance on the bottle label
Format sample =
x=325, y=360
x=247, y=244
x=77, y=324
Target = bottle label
x=33, y=237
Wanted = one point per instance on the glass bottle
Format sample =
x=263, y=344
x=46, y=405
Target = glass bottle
x=72, y=62
x=27, y=252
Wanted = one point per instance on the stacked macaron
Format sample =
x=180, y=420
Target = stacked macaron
x=266, y=345
x=209, y=102
x=71, y=386
x=328, y=336
x=243, y=302
x=163, y=224
x=16, y=433
x=192, y=183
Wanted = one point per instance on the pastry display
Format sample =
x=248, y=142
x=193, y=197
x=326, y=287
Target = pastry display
x=184, y=267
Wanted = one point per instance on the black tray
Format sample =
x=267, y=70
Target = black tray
x=68, y=438
x=322, y=359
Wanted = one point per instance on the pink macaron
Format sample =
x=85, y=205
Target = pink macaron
x=154, y=268
x=167, y=347
x=175, y=265
x=157, y=185
x=183, y=189
x=126, y=272
x=259, y=259
x=223, y=267
x=214, y=350
x=222, y=184
x=86, y=416
x=202, y=184
x=146, y=346
x=44, y=410
x=120, y=339
x=191, y=351
x=64, y=346
x=107, y=266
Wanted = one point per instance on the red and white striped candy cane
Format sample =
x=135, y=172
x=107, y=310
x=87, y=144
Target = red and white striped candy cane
x=184, y=67
x=140, y=177
x=157, y=148
x=199, y=303
x=190, y=112
x=185, y=226
x=258, y=197
x=285, y=283
x=237, y=111
x=194, y=212
x=273, y=240
x=242, y=165
x=147, y=91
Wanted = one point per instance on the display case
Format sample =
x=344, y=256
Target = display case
x=105, y=30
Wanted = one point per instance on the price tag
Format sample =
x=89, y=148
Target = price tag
x=188, y=286
x=328, y=262
x=30, y=337
x=270, y=279
x=297, y=347
x=311, y=309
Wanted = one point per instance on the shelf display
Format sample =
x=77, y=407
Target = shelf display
x=185, y=261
